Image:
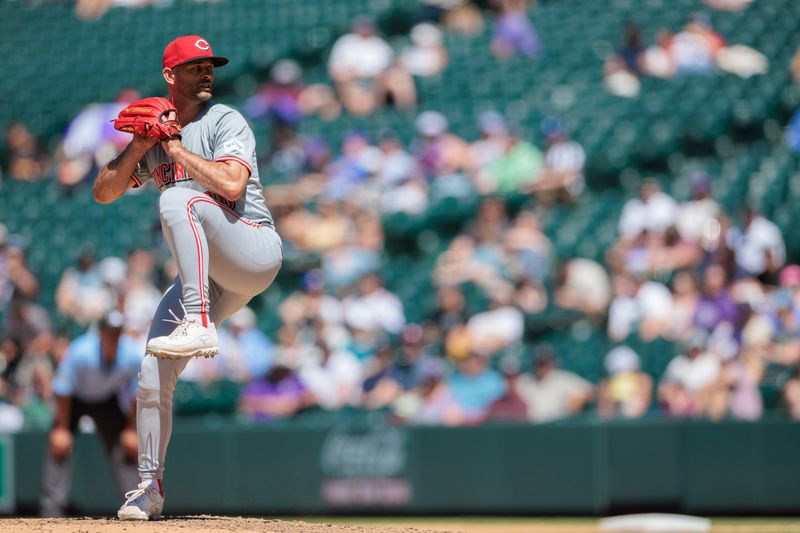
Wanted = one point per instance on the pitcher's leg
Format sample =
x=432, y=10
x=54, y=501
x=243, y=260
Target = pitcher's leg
x=157, y=381
x=154, y=412
x=186, y=226
x=238, y=277
x=186, y=237
x=245, y=260
x=210, y=241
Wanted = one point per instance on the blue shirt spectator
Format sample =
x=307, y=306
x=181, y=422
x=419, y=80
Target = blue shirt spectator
x=84, y=374
x=475, y=386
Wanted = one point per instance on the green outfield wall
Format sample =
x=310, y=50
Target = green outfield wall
x=568, y=468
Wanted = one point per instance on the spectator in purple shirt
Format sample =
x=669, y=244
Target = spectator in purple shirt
x=513, y=31
x=438, y=152
x=716, y=304
x=279, y=394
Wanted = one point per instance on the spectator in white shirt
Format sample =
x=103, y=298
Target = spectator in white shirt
x=562, y=177
x=758, y=247
x=402, y=188
x=361, y=65
x=497, y=328
x=583, y=285
x=360, y=54
x=643, y=306
x=698, y=215
x=695, y=48
x=728, y=5
x=426, y=56
x=652, y=211
x=551, y=393
x=374, y=308
x=332, y=374
x=623, y=313
x=396, y=164
x=642, y=227
x=689, y=382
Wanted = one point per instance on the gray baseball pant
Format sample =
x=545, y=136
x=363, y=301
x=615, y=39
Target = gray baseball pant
x=223, y=262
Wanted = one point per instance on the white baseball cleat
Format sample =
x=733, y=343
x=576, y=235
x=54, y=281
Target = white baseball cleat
x=189, y=339
x=144, y=503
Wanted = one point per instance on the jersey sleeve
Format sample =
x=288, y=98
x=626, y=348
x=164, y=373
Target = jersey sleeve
x=235, y=141
x=64, y=379
x=141, y=173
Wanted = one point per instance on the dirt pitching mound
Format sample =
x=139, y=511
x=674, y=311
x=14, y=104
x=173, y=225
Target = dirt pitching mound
x=189, y=524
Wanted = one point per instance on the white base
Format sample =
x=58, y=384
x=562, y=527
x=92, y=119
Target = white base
x=655, y=523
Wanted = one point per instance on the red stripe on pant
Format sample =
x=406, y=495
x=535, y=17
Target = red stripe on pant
x=202, y=280
x=189, y=205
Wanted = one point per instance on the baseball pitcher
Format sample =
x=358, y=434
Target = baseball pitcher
x=201, y=156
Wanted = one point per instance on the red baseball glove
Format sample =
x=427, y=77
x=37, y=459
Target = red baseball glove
x=152, y=117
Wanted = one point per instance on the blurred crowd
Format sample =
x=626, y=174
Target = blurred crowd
x=714, y=284
x=696, y=50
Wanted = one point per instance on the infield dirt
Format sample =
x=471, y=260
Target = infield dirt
x=219, y=524
x=231, y=524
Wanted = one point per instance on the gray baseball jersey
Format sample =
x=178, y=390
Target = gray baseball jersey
x=217, y=133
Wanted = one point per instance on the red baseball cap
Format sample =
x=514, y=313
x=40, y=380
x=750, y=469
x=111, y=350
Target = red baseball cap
x=188, y=48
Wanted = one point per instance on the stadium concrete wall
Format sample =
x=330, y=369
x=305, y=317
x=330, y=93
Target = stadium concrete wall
x=570, y=468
